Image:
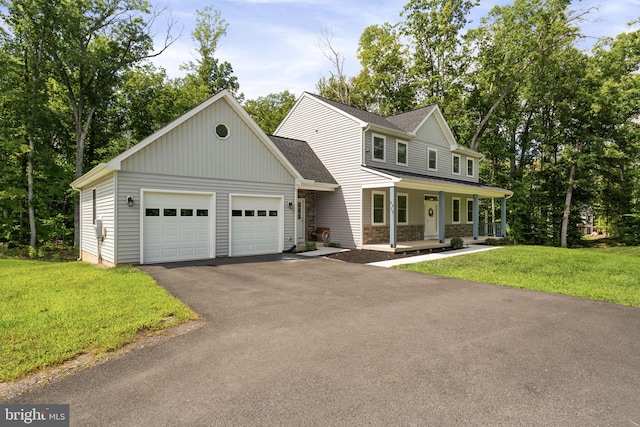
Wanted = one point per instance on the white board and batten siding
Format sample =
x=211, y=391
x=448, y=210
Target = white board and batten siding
x=193, y=150
x=316, y=123
x=105, y=200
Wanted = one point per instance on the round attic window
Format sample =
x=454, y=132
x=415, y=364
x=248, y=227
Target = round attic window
x=222, y=131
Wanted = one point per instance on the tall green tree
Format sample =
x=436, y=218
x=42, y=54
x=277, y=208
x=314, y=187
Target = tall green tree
x=97, y=40
x=508, y=43
x=616, y=106
x=208, y=75
x=434, y=28
x=31, y=24
x=269, y=111
x=384, y=84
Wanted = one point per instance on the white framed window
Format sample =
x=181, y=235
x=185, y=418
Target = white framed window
x=401, y=153
x=222, y=131
x=456, y=164
x=379, y=147
x=470, y=167
x=378, y=208
x=432, y=159
x=470, y=211
x=94, y=205
x=402, y=208
x=455, y=211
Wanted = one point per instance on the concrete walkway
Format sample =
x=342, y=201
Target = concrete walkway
x=322, y=251
x=432, y=257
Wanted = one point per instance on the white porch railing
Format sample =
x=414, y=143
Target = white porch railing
x=493, y=229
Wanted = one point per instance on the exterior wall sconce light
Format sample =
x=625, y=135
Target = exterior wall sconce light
x=290, y=204
x=130, y=200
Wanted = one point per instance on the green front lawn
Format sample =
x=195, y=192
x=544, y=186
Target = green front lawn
x=52, y=312
x=606, y=274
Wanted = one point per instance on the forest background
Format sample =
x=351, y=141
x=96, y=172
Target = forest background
x=558, y=125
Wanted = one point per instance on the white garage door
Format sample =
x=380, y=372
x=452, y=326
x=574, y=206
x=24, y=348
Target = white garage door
x=177, y=227
x=255, y=225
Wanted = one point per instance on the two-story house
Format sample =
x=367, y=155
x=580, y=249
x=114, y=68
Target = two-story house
x=403, y=179
x=212, y=184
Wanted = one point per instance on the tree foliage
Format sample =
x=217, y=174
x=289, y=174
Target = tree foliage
x=268, y=111
x=76, y=88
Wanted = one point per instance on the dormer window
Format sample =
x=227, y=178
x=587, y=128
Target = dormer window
x=470, y=167
x=432, y=159
x=379, y=148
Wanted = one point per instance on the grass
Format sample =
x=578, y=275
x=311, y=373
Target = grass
x=52, y=312
x=604, y=274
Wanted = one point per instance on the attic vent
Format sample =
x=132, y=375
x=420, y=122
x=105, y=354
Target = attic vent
x=222, y=131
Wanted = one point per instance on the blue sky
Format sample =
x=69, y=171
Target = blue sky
x=273, y=45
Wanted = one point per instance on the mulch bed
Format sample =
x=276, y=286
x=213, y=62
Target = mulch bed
x=364, y=257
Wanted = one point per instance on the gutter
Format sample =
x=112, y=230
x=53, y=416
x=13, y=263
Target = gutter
x=365, y=129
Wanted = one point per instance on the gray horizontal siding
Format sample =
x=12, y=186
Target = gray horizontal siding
x=129, y=218
x=430, y=135
x=104, y=211
x=337, y=141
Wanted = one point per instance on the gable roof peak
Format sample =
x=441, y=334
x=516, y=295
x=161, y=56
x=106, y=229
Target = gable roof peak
x=358, y=114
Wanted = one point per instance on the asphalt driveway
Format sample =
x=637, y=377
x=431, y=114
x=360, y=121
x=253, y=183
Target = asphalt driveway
x=322, y=342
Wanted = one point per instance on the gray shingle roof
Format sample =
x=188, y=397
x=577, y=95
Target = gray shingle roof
x=304, y=159
x=410, y=120
x=435, y=179
x=363, y=115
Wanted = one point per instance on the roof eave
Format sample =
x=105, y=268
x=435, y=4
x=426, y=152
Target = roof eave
x=309, y=184
x=388, y=131
x=454, y=188
x=98, y=172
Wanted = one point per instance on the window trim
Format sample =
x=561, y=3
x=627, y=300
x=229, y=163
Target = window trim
x=373, y=207
x=215, y=130
x=406, y=153
x=453, y=163
x=453, y=210
x=429, y=151
x=473, y=167
x=373, y=147
x=406, y=208
x=94, y=205
x=469, y=212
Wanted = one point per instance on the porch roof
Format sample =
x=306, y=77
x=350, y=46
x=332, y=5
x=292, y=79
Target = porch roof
x=309, y=166
x=432, y=183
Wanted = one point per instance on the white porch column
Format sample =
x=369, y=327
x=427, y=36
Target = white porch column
x=441, y=216
x=475, y=217
x=503, y=218
x=393, y=235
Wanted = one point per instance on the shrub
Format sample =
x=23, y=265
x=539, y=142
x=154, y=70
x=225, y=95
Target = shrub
x=504, y=241
x=333, y=245
x=310, y=246
x=457, y=243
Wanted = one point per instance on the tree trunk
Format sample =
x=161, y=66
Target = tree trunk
x=31, y=209
x=567, y=208
x=81, y=135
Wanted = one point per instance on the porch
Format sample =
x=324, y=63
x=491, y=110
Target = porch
x=421, y=245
